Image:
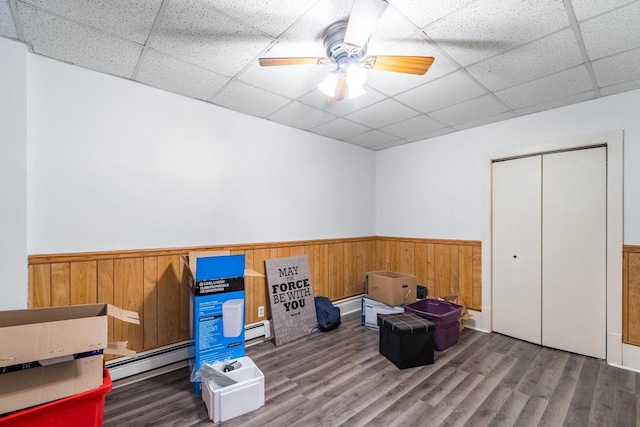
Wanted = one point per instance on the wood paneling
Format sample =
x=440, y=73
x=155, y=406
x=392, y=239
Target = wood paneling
x=445, y=267
x=153, y=283
x=632, y=300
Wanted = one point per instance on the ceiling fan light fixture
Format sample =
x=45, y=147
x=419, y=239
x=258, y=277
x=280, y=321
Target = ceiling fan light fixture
x=328, y=85
x=364, y=18
x=355, y=91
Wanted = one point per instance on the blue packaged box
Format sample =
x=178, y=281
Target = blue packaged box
x=217, y=309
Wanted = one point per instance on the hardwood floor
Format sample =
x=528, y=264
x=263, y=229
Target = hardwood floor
x=339, y=378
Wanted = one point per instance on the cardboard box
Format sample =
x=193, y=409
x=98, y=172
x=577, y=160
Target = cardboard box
x=390, y=287
x=49, y=335
x=216, y=307
x=371, y=308
x=30, y=387
x=246, y=395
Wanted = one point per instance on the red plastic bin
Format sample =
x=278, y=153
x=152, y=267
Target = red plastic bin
x=80, y=410
x=446, y=316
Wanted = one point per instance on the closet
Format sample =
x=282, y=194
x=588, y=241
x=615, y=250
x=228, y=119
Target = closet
x=549, y=255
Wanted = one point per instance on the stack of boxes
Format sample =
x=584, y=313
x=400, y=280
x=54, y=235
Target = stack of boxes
x=48, y=354
x=386, y=292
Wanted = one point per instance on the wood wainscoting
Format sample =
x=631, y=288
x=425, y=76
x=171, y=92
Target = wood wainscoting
x=631, y=295
x=445, y=267
x=153, y=282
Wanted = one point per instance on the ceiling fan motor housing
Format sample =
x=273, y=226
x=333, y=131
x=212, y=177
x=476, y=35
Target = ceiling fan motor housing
x=333, y=40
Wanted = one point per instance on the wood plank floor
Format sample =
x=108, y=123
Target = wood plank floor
x=339, y=379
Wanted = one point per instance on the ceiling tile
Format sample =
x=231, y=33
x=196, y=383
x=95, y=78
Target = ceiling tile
x=433, y=134
x=381, y=114
x=304, y=38
x=619, y=68
x=202, y=35
x=448, y=90
x=469, y=111
x=585, y=9
x=485, y=121
x=269, y=16
x=171, y=74
x=290, y=81
x=340, y=129
x=317, y=99
x=59, y=38
x=418, y=125
x=7, y=26
x=573, y=99
x=129, y=19
x=301, y=116
x=537, y=59
x=487, y=27
x=248, y=99
x=547, y=89
x=422, y=13
x=394, y=83
x=371, y=139
x=622, y=87
x=612, y=32
x=388, y=145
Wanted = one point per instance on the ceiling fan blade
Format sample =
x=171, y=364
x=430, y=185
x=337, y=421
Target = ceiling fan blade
x=341, y=89
x=365, y=15
x=399, y=64
x=268, y=62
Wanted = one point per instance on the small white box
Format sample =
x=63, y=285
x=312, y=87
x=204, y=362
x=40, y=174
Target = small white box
x=231, y=401
x=371, y=308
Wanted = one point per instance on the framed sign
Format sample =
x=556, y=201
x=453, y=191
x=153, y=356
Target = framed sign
x=291, y=298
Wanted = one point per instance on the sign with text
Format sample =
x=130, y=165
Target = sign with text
x=291, y=296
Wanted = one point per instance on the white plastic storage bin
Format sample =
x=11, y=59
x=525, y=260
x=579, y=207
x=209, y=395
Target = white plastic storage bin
x=231, y=401
x=371, y=308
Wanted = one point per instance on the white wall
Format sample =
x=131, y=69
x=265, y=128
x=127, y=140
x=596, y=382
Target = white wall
x=435, y=188
x=13, y=176
x=117, y=165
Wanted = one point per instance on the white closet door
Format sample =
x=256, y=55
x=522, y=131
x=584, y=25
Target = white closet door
x=574, y=251
x=516, y=245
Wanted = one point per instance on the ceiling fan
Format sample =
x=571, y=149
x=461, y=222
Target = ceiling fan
x=345, y=42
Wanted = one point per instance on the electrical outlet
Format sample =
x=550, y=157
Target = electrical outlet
x=261, y=311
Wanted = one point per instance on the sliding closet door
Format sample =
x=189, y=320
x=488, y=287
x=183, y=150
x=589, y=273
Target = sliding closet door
x=516, y=246
x=574, y=251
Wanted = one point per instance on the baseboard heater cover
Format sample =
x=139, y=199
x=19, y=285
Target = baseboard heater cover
x=173, y=354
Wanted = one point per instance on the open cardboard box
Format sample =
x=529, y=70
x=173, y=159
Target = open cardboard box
x=217, y=312
x=53, y=336
x=464, y=314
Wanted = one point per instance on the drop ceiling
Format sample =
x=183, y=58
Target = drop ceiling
x=494, y=59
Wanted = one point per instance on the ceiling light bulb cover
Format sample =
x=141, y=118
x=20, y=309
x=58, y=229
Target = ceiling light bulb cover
x=328, y=85
x=365, y=15
x=356, y=75
x=355, y=91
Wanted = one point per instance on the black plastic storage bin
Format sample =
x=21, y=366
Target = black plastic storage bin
x=406, y=339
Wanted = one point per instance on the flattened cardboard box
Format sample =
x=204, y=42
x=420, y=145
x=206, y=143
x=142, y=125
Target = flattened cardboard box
x=43, y=334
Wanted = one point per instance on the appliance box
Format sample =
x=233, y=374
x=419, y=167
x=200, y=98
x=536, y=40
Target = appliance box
x=216, y=280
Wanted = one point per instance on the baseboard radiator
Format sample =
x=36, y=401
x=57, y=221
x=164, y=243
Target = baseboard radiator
x=175, y=356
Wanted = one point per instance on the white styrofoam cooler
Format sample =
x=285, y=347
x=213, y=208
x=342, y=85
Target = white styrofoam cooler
x=245, y=396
